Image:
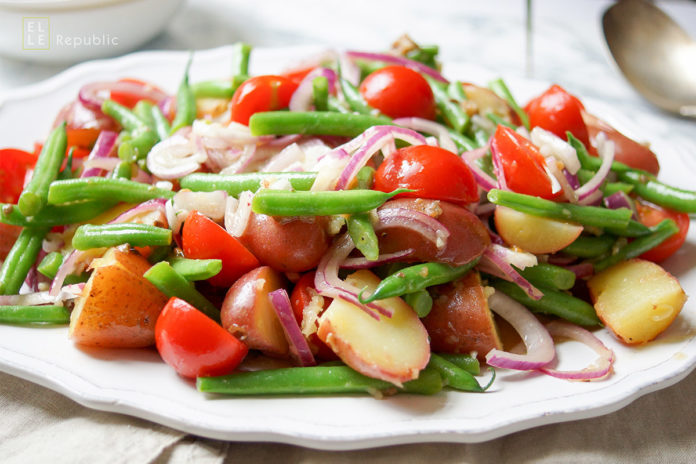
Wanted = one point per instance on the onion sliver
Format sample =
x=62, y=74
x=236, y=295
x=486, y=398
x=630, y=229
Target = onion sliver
x=398, y=60
x=605, y=148
x=596, y=371
x=93, y=95
x=102, y=149
x=174, y=158
x=537, y=340
x=496, y=261
x=430, y=127
x=364, y=263
x=483, y=180
x=299, y=348
x=430, y=228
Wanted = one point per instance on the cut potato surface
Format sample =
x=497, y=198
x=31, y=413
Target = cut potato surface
x=535, y=234
x=636, y=299
x=392, y=349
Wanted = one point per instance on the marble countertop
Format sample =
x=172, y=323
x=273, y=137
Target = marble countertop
x=568, y=49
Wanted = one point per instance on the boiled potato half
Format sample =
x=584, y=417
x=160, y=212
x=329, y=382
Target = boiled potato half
x=636, y=299
x=535, y=234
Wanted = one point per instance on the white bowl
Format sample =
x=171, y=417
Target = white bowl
x=68, y=31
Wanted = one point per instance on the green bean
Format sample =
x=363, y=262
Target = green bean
x=481, y=136
x=313, y=123
x=316, y=380
x=355, y=101
x=320, y=92
x=185, y=102
x=52, y=215
x=365, y=177
x=585, y=215
x=160, y=123
x=464, y=361
x=420, y=301
x=20, y=259
x=661, y=232
x=456, y=92
x=425, y=54
x=592, y=162
x=89, y=236
x=138, y=145
x=633, y=229
x=234, y=184
x=337, y=106
x=125, y=117
x=240, y=59
x=498, y=86
x=67, y=172
x=123, y=170
x=49, y=314
x=499, y=121
x=649, y=188
x=584, y=175
x=550, y=276
x=454, y=376
x=363, y=234
x=463, y=142
x=163, y=276
x=50, y=264
x=215, y=89
x=196, y=269
x=452, y=112
x=553, y=302
x=33, y=197
x=318, y=203
x=590, y=247
x=415, y=278
x=100, y=188
x=143, y=110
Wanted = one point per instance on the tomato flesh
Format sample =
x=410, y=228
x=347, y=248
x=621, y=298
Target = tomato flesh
x=130, y=99
x=522, y=164
x=13, y=169
x=301, y=296
x=399, y=92
x=195, y=345
x=558, y=111
x=260, y=93
x=202, y=238
x=651, y=215
x=431, y=172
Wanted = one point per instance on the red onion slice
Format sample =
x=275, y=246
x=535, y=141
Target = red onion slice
x=301, y=99
x=299, y=348
x=68, y=292
x=551, y=145
x=102, y=149
x=496, y=262
x=364, y=263
x=560, y=177
x=537, y=340
x=430, y=127
x=484, y=181
x=398, y=60
x=174, y=157
x=620, y=199
x=598, y=370
x=581, y=270
x=498, y=168
x=327, y=282
x=605, y=148
x=93, y=95
x=430, y=228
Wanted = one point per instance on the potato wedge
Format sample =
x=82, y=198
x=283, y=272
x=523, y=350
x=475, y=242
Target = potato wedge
x=535, y=234
x=636, y=299
x=393, y=349
x=118, y=307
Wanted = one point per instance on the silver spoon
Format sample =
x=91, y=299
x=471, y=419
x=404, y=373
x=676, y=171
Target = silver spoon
x=654, y=53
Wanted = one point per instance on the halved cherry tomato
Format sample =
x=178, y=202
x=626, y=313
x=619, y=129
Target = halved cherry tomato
x=82, y=138
x=297, y=75
x=558, y=111
x=399, y=92
x=193, y=344
x=431, y=172
x=8, y=235
x=260, y=93
x=130, y=99
x=13, y=168
x=301, y=296
x=522, y=164
x=202, y=238
x=651, y=215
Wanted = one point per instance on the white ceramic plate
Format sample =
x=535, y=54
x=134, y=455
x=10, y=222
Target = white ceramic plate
x=136, y=382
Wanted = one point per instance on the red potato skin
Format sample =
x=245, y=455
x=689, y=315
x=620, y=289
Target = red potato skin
x=460, y=320
x=626, y=150
x=287, y=244
x=468, y=237
x=248, y=314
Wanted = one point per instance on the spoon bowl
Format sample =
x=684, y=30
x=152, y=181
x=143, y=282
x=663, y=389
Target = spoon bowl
x=656, y=55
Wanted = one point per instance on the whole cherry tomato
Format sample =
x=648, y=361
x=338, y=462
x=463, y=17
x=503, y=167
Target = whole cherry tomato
x=431, y=172
x=651, y=215
x=193, y=344
x=260, y=93
x=558, y=111
x=522, y=164
x=13, y=168
x=202, y=238
x=399, y=92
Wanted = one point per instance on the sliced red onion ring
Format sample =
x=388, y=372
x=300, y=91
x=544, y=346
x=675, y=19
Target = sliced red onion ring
x=537, y=340
x=168, y=106
x=605, y=148
x=99, y=165
x=364, y=263
x=398, y=60
x=299, y=348
x=599, y=369
x=301, y=99
x=498, y=168
x=327, y=282
x=156, y=205
x=430, y=127
x=620, y=199
x=246, y=157
x=174, y=157
x=581, y=270
x=484, y=181
x=68, y=292
x=349, y=70
x=102, y=149
x=93, y=95
x=552, y=145
x=238, y=213
x=69, y=266
x=210, y=204
x=560, y=177
x=375, y=138
x=430, y=228
x=496, y=262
